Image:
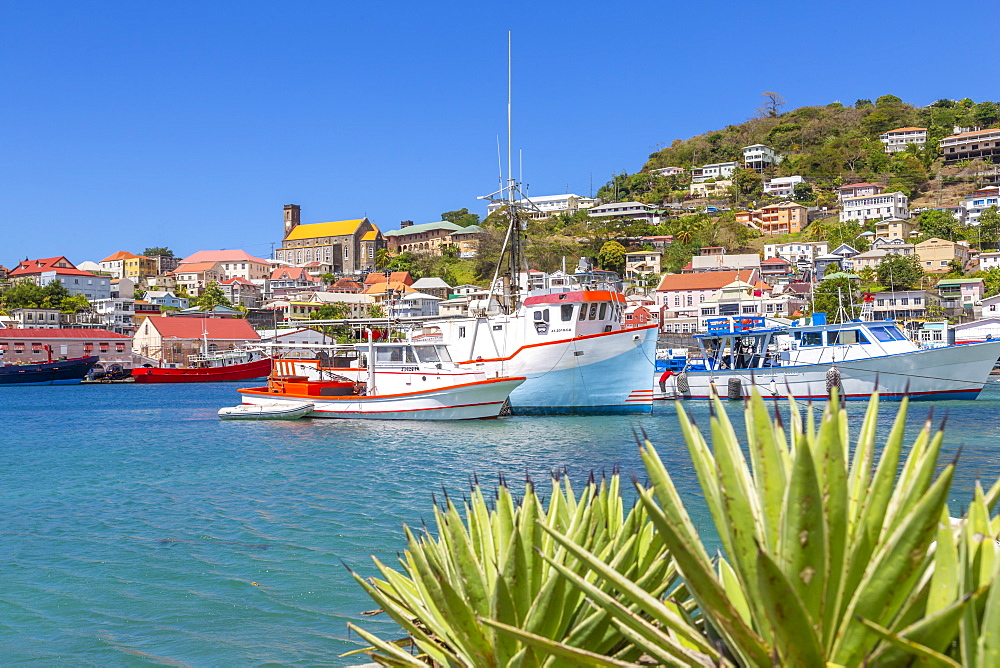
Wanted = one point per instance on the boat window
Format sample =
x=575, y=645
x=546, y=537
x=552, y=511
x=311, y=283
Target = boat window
x=427, y=353
x=604, y=310
x=886, y=333
x=443, y=353
x=845, y=337
x=566, y=312
x=812, y=338
x=387, y=354
x=542, y=315
x=593, y=311
x=461, y=332
x=583, y=311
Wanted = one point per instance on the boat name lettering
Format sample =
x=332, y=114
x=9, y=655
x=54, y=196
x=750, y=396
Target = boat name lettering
x=410, y=368
x=562, y=329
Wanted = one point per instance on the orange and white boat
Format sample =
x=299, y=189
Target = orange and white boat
x=385, y=381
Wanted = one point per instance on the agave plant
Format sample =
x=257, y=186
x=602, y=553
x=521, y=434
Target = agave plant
x=829, y=558
x=487, y=590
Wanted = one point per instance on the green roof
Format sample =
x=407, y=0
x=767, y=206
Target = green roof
x=840, y=274
x=471, y=229
x=959, y=281
x=423, y=227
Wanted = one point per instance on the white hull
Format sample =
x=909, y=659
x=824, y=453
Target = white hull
x=267, y=411
x=477, y=400
x=951, y=372
x=608, y=372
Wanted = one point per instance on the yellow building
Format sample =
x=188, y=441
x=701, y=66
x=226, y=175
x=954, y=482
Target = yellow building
x=935, y=254
x=347, y=246
x=139, y=267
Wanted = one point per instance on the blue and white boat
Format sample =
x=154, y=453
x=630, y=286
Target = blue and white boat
x=58, y=372
x=860, y=357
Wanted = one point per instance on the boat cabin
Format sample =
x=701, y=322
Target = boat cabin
x=748, y=343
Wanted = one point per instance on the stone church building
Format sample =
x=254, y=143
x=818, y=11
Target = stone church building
x=344, y=246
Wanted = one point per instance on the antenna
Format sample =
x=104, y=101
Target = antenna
x=510, y=193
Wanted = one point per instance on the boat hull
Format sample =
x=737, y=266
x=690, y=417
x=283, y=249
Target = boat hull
x=62, y=372
x=468, y=401
x=951, y=372
x=606, y=373
x=271, y=411
x=236, y=372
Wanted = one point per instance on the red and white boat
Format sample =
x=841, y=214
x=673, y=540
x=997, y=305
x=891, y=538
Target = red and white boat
x=228, y=365
x=386, y=381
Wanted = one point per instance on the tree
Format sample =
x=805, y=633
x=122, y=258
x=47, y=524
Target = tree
x=685, y=228
x=899, y=272
x=863, y=103
x=157, y=250
x=375, y=311
x=26, y=294
x=772, y=102
x=328, y=278
x=838, y=297
x=212, y=296
x=74, y=304
x=991, y=281
x=612, y=257
x=803, y=192
x=334, y=311
x=989, y=228
x=462, y=217
x=940, y=224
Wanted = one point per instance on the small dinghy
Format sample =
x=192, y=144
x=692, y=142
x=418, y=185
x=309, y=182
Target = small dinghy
x=267, y=411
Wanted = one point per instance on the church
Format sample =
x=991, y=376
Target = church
x=340, y=247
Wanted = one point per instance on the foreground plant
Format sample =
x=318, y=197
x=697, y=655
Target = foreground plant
x=830, y=558
x=499, y=565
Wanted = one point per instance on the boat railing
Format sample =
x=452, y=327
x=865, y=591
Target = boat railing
x=733, y=325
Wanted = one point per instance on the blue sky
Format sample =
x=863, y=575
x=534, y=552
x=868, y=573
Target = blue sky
x=190, y=125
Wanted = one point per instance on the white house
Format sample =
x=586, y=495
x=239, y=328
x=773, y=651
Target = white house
x=990, y=260
x=797, y=251
x=415, y=305
x=281, y=341
x=629, y=210
x=972, y=144
x=669, y=171
x=232, y=264
x=896, y=140
x=547, y=206
x=715, y=170
x=758, y=156
x=977, y=202
x=875, y=207
x=782, y=186
x=979, y=330
x=682, y=294
x=116, y=315
x=853, y=190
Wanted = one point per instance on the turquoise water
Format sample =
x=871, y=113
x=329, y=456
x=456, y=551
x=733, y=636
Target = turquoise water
x=135, y=523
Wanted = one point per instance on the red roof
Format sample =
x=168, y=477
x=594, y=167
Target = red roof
x=233, y=329
x=32, y=267
x=194, y=267
x=708, y=280
x=775, y=260
x=904, y=130
x=295, y=273
x=29, y=333
x=223, y=256
x=238, y=279
x=375, y=278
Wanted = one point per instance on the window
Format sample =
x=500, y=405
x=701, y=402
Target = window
x=593, y=311
x=461, y=332
x=904, y=301
x=880, y=302
x=583, y=311
x=542, y=315
x=749, y=310
x=677, y=301
x=566, y=312
x=812, y=338
x=690, y=300
x=845, y=337
x=604, y=311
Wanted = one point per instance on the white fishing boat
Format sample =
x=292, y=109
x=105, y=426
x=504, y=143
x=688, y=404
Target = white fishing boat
x=404, y=380
x=806, y=360
x=267, y=411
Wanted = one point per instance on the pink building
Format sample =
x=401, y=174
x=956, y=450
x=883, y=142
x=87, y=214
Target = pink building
x=858, y=190
x=682, y=294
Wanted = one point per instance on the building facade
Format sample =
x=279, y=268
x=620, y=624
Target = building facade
x=715, y=170
x=895, y=228
x=969, y=145
x=782, y=186
x=759, y=157
x=785, y=218
x=625, y=210
x=546, y=206
x=896, y=140
x=233, y=264
x=58, y=269
x=875, y=207
x=937, y=254
x=431, y=238
x=855, y=190
x=977, y=202
x=348, y=246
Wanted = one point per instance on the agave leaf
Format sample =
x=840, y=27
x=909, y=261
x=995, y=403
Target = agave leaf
x=881, y=591
x=390, y=649
x=861, y=466
x=794, y=630
x=734, y=590
x=885, y=472
x=627, y=590
x=462, y=556
x=802, y=548
x=944, y=581
x=907, y=488
x=936, y=631
x=570, y=656
x=545, y=616
x=988, y=645
x=769, y=472
x=656, y=652
x=926, y=654
x=833, y=511
x=704, y=466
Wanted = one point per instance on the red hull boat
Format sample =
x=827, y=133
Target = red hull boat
x=258, y=368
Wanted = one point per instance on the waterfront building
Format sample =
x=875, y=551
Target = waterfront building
x=980, y=200
x=37, y=317
x=115, y=314
x=466, y=289
x=977, y=330
x=794, y=251
x=973, y=144
x=782, y=186
x=902, y=304
x=232, y=264
x=967, y=292
x=875, y=207
x=347, y=246
x=546, y=206
x=936, y=254
x=58, y=269
x=32, y=344
x=414, y=305
x=758, y=157
x=854, y=190
x=282, y=341
x=740, y=299
x=896, y=140
x=682, y=294
x=172, y=339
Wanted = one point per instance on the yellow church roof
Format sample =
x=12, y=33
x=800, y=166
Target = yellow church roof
x=369, y=235
x=334, y=229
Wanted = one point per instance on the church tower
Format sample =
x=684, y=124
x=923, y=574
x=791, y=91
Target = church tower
x=292, y=217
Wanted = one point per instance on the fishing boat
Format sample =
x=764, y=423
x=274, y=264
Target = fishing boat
x=51, y=372
x=267, y=411
x=228, y=365
x=405, y=380
x=807, y=360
